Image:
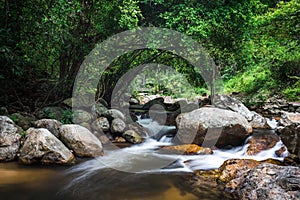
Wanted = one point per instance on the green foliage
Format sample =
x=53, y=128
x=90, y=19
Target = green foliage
x=292, y=93
x=23, y=134
x=67, y=117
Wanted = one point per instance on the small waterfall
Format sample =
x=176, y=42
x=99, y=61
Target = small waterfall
x=145, y=157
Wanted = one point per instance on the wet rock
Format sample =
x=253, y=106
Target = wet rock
x=51, y=124
x=132, y=137
x=23, y=121
x=139, y=129
x=186, y=149
x=158, y=100
x=118, y=126
x=290, y=136
x=293, y=117
x=210, y=126
x=101, y=124
x=268, y=181
x=227, y=102
x=81, y=141
x=235, y=168
x=260, y=142
x=114, y=114
x=9, y=139
x=119, y=140
x=41, y=146
x=82, y=116
x=293, y=160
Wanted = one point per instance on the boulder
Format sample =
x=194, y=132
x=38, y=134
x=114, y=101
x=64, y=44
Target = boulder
x=212, y=126
x=268, y=182
x=139, y=129
x=118, y=126
x=260, y=142
x=149, y=104
x=132, y=137
x=235, y=168
x=101, y=124
x=99, y=109
x=186, y=149
x=41, y=146
x=51, y=124
x=114, y=114
x=81, y=141
x=9, y=139
x=82, y=116
x=290, y=136
x=227, y=102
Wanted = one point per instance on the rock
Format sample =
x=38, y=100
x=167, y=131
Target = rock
x=101, y=124
x=293, y=117
x=119, y=140
x=50, y=113
x=213, y=126
x=260, y=142
x=132, y=137
x=268, y=181
x=259, y=121
x=118, y=126
x=82, y=116
x=158, y=100
x=134, y=101
x=114, y=114
x=9, y=139
x=293, y=160
x=86, y=125
x=227, y=102
x=68, y=102
x=41, y=146
x=139, y=129
x=99, y=109
x=290, y=136
x=23, y=121
x=51, y=124
x=235, y=168
x=186, y=149
x=81, y=141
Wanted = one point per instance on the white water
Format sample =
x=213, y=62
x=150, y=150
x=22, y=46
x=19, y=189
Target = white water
x=145, y=157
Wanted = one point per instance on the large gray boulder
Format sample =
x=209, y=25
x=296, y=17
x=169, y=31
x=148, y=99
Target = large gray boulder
x=227, y=102
x=51, y=124
x=81, y=140
x=210, y=126
x=290, y=136
x=268, y=182
x=41, y=146
x=118, y=126
x=9, y=139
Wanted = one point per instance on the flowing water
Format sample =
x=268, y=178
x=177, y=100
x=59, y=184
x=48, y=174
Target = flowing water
x=138, y=172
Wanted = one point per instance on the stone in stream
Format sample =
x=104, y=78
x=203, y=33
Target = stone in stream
x=41, y=146
x=139, y=129
x=227, y=102
x=51, y=124
x=118, y=126
x=268, y=182
x=260, y=142
x=81, y=141
x=9, y=139
x=185, y=149
x=290, y=136
x=210, y=127
x=101, y=124
x=132, y=137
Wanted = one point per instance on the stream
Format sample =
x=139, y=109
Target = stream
x=138, y=172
